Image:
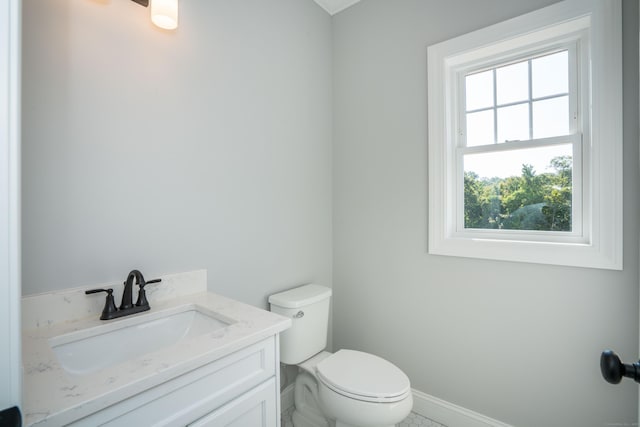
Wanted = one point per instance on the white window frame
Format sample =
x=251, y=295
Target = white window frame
x=596, y=238
x=575, y=41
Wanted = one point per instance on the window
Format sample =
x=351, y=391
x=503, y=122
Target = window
x=519, y=130
x=525, y=139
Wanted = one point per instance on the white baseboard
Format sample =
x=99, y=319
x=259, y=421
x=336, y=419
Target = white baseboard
x=428, y=406
x=450, y=414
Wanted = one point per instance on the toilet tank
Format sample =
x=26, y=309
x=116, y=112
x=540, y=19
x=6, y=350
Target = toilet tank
x=308, y=308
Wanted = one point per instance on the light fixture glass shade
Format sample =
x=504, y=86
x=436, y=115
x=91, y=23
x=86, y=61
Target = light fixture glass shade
x=164, y=13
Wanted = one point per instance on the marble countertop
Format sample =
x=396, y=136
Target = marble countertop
x=55, y=397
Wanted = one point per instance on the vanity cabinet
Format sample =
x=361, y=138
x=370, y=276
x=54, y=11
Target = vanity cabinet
x=240, y=389
x=254, y=408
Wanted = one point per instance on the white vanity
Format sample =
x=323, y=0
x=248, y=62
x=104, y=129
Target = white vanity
x=196, y=358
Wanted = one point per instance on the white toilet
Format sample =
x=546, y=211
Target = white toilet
x=350, y=388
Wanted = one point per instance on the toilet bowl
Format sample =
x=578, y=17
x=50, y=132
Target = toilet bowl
x=349, y=388
x=360, y=389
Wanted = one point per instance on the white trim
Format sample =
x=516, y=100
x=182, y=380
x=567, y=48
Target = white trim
x=427, y=406
x=335, y=6
x=602, y=134
x=15, y=247
x=276, y=368
x=11, y=374
x=450, y=414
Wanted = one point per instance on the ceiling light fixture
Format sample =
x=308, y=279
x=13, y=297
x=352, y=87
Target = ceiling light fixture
x=164, y=13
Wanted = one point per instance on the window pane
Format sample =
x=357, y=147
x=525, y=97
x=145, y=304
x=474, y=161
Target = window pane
x=550, y=74
x=551, y=117
x=512, y=83
x=480, y=128
x=529, y=189
x=479, y=90
x=513, y=123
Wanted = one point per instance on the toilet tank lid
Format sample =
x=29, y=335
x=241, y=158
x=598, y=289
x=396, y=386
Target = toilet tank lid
x=300, y=296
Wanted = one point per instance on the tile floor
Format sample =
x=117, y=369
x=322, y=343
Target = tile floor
x=413, y=420
x=286, y=418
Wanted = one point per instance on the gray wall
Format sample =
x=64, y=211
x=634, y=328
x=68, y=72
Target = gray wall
x=517, y=342
x=206, y=148
x=211, y=148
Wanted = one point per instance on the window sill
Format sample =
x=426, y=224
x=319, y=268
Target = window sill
x=553, y=253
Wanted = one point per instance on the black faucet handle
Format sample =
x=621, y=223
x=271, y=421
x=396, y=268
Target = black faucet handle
x=109, y=305
x=142, y=294
x=143, y=283
x=95, y=291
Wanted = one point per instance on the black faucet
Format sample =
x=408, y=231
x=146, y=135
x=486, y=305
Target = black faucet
x=127, y=300
x=126, y=307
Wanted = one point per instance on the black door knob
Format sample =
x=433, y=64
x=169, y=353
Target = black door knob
x=613, y=369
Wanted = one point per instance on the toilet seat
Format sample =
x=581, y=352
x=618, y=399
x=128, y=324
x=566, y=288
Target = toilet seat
x=363, y=376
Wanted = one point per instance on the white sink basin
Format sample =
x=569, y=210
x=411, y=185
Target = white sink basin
x=125, y=339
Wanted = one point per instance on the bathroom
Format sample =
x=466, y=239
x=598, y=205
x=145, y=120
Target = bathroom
x=273, y=144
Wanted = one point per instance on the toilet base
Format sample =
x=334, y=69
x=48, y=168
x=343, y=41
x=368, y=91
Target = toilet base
x=307, y=412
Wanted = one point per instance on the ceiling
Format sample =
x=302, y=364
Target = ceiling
x=335, y=6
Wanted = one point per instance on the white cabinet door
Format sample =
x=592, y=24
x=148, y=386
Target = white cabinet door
x=256, y=408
